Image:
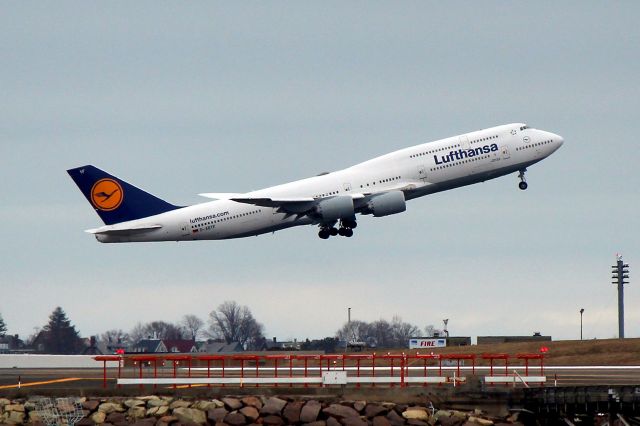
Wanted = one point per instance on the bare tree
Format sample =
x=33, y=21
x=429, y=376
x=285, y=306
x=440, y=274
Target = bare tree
x=156, y=330
x=192, y=325
x=382, y=332
x=3, y=327
x=430, y=330
x=355, y=331
x=235, y=323
x=402, y=331
x=115, y=336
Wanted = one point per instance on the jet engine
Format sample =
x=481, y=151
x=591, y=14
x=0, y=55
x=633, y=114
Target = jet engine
x=386, y=204
x=335, y=208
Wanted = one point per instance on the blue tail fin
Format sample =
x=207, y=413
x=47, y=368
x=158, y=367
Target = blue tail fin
x=115, y=200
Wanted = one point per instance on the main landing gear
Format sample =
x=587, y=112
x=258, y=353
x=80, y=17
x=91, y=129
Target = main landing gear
x=523, y=183
x=345, y=230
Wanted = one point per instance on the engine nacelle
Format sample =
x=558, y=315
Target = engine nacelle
x=388, y=203
x=335, y=208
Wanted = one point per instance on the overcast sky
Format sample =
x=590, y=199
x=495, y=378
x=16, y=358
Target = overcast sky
x=183, y=98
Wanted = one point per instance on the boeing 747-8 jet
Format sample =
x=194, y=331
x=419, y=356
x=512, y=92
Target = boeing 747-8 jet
x=379, y=187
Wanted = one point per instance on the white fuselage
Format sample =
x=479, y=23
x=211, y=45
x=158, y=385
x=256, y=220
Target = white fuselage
x=419, y=170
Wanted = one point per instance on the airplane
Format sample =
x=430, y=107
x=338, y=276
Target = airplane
x=379, y=187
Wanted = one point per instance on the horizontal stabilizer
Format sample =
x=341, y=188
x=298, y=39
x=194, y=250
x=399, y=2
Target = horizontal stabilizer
x=133, y=230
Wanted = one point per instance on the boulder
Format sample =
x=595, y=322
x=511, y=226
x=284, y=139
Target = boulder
x=272, y=421
x=144, y=422
x=85, y=421
x=480, y=421
x=14, y=407
x=134, y=403
x=332, y=421
x=374, y=410
x=219, y=404
x=99, y=417
x=291, y=412
x=340, y=411
x=359, y=406
x=205, y=405
x=381, y=421
x=459, y=414
x=451, y=421
x=4, y=401
x=149, y=398
x=354, y=421
x=166, y=420
x=34, y=417
x=235, y=419
x=111, y=407
x=394, y=418
x=116, y=418
x=252, y=401
x=416, y=422
x=160, y=411
x=15, y=418
x=90, y=405
x=179, y=404
x=157, y=403
x=232, y=403
x=136, y=412
x=273, y=405
x=217, y=415
x=250, y=412
x=190, y=415
x=310, y=411
x=416, y=414
x=316, y=423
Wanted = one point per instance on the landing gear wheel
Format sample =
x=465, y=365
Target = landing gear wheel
x=348, y=232
x=333, y=232
x=523, y=184
x=349, y=223
x=342, y=231
x=324, y=233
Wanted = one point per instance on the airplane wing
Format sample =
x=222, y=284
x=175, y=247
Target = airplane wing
x=138, y=229
x=220, y=195
x=300, y=205
x=286, y=205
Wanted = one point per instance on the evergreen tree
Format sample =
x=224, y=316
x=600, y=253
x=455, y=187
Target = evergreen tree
x=3, y=327
x=59, y=336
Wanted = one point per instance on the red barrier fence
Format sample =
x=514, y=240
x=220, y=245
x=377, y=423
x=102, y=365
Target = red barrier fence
x=302, y=369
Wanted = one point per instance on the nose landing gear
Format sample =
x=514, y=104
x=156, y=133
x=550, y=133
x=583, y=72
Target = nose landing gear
x=523, y=183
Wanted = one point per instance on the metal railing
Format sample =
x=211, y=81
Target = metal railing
x=402, y=370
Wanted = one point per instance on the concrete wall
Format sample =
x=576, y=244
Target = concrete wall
x=493, y=340
x=48, y=361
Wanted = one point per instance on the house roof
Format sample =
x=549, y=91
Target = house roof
x=182, y=346
x=150, y=346
x=220, y=347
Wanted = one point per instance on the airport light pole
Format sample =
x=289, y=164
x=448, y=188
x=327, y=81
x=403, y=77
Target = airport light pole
x=581, y=312
x=346, y=343
x=620, y=272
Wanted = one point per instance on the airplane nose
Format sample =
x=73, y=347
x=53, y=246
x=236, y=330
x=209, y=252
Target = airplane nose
x=558, y=139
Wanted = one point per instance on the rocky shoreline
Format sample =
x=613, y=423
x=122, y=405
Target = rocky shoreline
x=244, y=411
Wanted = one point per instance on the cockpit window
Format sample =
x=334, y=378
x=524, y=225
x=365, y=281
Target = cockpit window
x=524, y=127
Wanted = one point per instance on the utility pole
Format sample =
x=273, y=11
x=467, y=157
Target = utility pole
x=620, y=274
x=581, y=312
